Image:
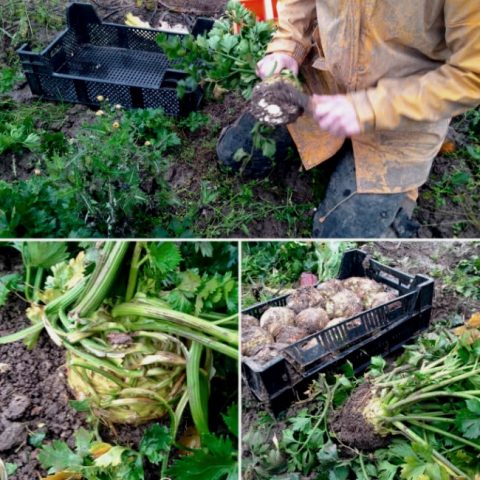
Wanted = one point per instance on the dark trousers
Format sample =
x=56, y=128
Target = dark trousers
x=343, y=213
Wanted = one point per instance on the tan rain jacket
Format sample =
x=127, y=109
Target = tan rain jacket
x=408, y=66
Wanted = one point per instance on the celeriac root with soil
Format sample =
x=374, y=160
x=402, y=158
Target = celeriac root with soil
x=433, y=400
x=130, y=355
x=278, y=101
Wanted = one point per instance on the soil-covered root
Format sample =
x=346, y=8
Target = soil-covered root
x=350, y=425
x=312, y=320
x=277, y=103
x=268, y=353
x=330, y=287
x=254, y=339
x=303, y=298
x=276, y=318
x=377, y=299
x=250, y=321
x=291, y=335
x=335, y=322
x=362, y=286
x=343, y=304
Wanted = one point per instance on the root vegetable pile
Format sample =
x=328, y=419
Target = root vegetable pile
x=309, y=310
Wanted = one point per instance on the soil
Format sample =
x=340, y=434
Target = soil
x=350, y=426
x=433, y=258
x=33, y=394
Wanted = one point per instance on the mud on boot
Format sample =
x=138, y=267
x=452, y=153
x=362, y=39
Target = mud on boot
x=238, y=138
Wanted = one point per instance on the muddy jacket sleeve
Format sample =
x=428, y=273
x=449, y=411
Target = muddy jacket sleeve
x=439, y=94
x=295, y=25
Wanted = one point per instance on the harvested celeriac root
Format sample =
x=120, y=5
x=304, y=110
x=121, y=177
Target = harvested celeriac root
x=303, y=298
x=254, y=339
x=276, y=318
x=312, y=320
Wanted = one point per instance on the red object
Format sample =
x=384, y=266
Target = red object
x=263, y=9
x=308, y=279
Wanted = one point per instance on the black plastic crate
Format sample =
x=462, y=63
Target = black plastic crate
x=379, y=331
x=122, y=64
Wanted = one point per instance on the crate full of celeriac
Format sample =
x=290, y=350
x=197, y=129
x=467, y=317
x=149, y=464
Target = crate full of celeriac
x=369, y=309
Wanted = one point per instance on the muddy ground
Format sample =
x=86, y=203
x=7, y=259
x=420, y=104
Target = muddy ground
x=288, y=184
x=436, y=259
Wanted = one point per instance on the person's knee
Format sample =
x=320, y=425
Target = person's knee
x=237, y=150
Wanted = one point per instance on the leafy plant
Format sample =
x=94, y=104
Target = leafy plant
x=8, y=77
x=216, y=460
x=465, y=279
x=92, y=459
x=9, y=283
x=221, y=59
x=102, y=304
x=38, y=208
x=426, y=403
x=120, y=189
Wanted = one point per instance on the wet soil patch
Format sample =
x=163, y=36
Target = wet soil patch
x=435, y=259
x=33, y=394
x=350, y=426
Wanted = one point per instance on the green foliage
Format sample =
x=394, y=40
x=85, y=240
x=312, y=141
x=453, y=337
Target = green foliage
x=11, y=468
x=468, y=419
x=216, y=460
x=221, y=59
x=156, y=443
x=120, y=189
x=36, y=438
x=58, y=457
x=42, y=254
x=194, y=121
x=116, y=463
x=280, y=264
x=8, y=77
x=195, y=294
x=11, y=282
x=465, y=279
x=38, y=208
x=165, y=257
x=15, y=138
x=231, y=419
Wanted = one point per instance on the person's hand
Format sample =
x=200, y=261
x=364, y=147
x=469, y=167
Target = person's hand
x=275, y=63
x=336, y=115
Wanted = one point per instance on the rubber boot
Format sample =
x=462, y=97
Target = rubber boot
x=238, y=136
x=345, y=213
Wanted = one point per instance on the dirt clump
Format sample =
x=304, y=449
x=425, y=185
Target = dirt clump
x=350, y=426
x=277, y=103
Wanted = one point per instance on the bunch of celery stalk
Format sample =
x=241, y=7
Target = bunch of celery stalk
x=130, y=354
